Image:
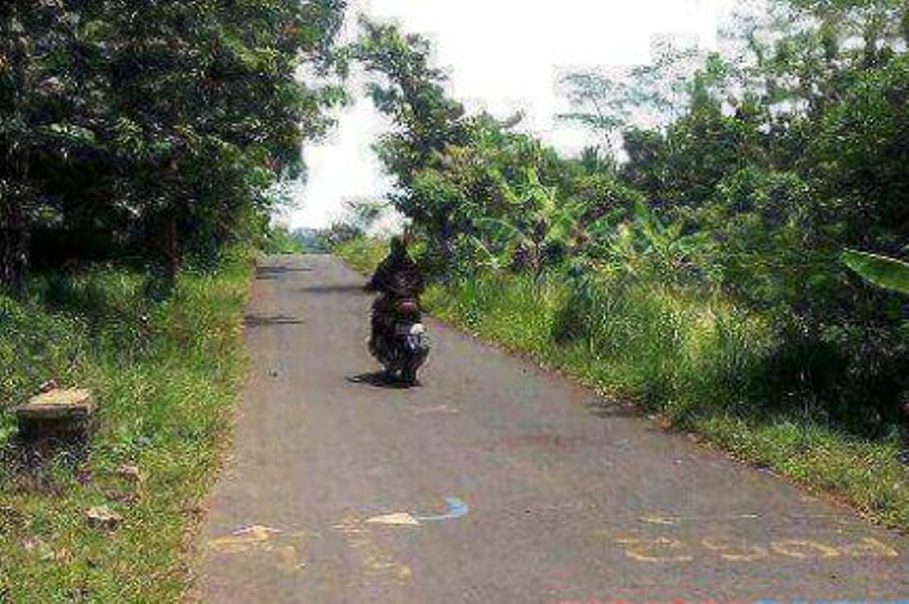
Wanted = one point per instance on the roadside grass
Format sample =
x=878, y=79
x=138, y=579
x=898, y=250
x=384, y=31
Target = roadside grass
x=703, y=365
x=165, y=377
x=363, y=253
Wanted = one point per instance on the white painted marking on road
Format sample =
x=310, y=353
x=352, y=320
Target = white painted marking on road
x=436, y=410
x=661, y=520
x=397, y=519
x=670, y=520
x=454, y=509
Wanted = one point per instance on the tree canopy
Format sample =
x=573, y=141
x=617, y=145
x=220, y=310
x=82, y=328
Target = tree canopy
x=744, y=172
x=155, y=129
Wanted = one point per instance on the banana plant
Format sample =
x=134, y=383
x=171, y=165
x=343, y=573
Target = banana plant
x=667, y=244
x=542, y=221
x=644, y=243
x=881, y=271
x=486, y=258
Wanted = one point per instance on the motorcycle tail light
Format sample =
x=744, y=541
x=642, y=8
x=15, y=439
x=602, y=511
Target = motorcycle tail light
x=408, y=306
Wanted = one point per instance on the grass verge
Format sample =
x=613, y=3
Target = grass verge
x=702, y=364
x=165, y=376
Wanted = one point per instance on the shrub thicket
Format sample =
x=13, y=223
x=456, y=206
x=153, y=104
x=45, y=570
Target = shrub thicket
x=713, y=246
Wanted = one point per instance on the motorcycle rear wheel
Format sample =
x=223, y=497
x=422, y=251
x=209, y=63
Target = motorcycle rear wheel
x=409, y=373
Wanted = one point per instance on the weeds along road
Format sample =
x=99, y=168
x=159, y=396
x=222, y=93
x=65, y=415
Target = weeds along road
x=492, y=482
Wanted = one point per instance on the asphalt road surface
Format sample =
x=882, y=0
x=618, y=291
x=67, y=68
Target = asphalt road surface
x=494, y=481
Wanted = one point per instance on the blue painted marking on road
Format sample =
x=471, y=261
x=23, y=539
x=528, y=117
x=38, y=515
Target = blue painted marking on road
x=454, y=508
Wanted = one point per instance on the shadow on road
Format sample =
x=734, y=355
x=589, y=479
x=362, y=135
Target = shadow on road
x=379, y=379
x=607, y=408
x=332, y=289
x=275, y=272
x=269, y=320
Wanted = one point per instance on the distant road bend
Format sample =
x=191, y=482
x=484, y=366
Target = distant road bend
x=494, y=482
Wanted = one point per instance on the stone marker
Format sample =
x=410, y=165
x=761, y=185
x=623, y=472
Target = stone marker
x=102, y=517
x=58, y=413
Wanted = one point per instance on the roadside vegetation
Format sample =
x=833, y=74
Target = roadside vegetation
x=154, y=134
x=731, y=256
x=280, y=240
x=143, y=149
x=165, y=376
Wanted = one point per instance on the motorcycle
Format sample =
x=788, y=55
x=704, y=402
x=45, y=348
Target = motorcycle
x=403, y=346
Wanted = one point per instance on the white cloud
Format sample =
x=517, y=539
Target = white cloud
x=502, y=56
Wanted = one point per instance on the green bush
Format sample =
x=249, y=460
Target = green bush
x=165, y=376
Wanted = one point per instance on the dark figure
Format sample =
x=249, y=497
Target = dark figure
x=397, y=277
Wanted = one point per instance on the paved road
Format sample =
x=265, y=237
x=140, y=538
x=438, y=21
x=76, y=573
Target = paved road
x=493, y=482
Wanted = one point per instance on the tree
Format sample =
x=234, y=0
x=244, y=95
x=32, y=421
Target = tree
x=363, y=213
x=410, y=91
x=647, y=96
x=162, y=125
x=43, y=119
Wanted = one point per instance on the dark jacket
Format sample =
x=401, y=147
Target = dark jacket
x=397, y=276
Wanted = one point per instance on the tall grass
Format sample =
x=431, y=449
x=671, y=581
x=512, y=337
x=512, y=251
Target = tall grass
x=363, y=253
x=691, y=355
x=165, y=376
x=664, y=347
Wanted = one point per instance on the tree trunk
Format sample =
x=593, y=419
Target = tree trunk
x=14, y=178
x=446, y=246
x=166, y=242
x=904, y=24
x=172, y=267
x=13, y=241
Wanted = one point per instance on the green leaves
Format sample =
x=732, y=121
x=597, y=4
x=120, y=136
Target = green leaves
x=407, y=89
x=70, y=133
x=166, y=124
x=881, y=271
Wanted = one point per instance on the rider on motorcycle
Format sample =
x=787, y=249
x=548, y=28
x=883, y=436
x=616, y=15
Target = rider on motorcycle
x=397, y=277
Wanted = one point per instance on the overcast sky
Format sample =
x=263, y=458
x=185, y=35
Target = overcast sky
x=502, y=56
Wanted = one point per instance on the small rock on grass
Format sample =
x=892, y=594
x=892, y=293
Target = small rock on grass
x=48, y=386
x=84, y=476
x=103, y=517
x=130, y=473
x=32, y=543
x=37, y=546
x=122, y=497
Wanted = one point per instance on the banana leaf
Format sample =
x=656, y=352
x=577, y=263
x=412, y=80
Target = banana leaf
x=882, y=271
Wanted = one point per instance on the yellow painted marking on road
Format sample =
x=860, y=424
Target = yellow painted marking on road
x=244, y=539
x=379, y=563
x=804, y=549
x=289, y=559
x=665, y=549
x=659, y=549
x=376, y=562
x=348, y=526
x=735, y=551
x=260, y=539
x=870, y=548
